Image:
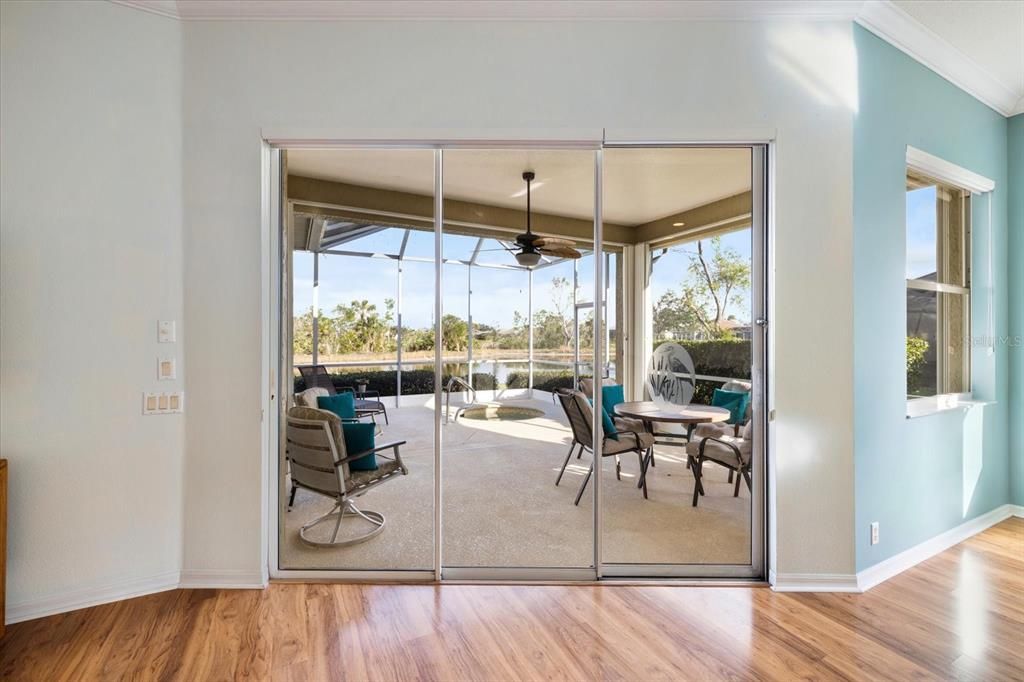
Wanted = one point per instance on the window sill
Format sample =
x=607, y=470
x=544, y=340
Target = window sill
x=924, y=407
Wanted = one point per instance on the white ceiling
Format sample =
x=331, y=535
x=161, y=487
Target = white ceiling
x=976, y=44
x=989, y=32
x=640, y=185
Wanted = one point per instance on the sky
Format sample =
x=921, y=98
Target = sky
x=497, y=293
x=671, y=269
x=921, y=221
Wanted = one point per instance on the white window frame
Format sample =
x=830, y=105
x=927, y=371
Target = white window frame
x=922, y=162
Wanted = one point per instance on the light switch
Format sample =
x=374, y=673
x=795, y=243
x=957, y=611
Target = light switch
x=165, y=331
x=163, y=403
x=165, y=369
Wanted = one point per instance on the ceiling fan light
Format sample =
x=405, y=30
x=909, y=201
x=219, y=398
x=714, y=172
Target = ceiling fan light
x=528, y=258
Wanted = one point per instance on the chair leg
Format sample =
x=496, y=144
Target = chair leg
x=385, y=415
x=583, y=487
x=643, y=471
x=697, y=470
x=580, y=453
x=618, y=468
x=291, y=498
x=746, y=477
x=736, y=488
x=566, y=462
x=731, y=472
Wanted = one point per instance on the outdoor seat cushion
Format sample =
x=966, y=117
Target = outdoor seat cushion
x=715, y=430
x=343, y=404
x=629, y=424
x=361, y=478
x=718, y=452
x=734, y=401
x=308, y=397
x=360, y=437
x=627, y=442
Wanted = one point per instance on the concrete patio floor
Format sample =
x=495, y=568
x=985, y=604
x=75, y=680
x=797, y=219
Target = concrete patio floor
x=502, y=508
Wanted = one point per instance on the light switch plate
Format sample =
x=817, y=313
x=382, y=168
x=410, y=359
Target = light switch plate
x=165, y=332
x=163, y=403
x=166, y=369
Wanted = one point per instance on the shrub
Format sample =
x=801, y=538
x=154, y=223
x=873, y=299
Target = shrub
x=917, y=349
x=719, y=357
x=550, y=380
x=414, y=381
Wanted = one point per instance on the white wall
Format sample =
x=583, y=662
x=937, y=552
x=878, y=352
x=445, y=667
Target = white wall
x=90, y=259
x=696, y=79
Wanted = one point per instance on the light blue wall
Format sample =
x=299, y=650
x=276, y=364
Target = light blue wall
x=1016, y=260
x=921, y=477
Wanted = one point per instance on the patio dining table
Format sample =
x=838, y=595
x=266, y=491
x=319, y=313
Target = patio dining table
x=650, y=412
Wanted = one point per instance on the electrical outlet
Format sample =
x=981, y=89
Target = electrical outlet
x=874, y=533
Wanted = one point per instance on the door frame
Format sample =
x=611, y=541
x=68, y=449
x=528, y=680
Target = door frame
x=276, y=382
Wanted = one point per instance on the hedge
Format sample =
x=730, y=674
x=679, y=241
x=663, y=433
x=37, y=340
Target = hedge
x=720, y=357
x=414, y=381
x=549, y=380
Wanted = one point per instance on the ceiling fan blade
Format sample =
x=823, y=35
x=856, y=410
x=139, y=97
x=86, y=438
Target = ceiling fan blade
x=552, y=242
x=561, y=251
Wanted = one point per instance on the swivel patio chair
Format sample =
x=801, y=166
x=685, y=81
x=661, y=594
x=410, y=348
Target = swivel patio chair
x=580, y=413
x=320, y=463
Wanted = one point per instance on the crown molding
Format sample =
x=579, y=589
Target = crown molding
x=881, y=17
x=449, y=10
x=163, y=8
x=899, y=29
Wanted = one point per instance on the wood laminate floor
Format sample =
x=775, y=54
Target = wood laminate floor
x=960, y=615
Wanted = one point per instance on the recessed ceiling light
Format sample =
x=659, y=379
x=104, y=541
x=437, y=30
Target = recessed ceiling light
x=678, y=224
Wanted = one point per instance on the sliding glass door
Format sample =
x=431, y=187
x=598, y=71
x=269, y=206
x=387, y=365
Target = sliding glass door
x=693, y=402
x=556, y=356
x=517, y=248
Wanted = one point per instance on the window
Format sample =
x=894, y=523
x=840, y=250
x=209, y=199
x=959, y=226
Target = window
x=938, y=287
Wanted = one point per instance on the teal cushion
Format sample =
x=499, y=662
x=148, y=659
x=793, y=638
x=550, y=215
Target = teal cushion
x=343, y=404
x=606, y=422
x=612, y=396
x=360, y=438
x=734, y=401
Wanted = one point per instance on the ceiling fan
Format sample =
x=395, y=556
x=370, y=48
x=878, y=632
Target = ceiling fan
x=532, y=247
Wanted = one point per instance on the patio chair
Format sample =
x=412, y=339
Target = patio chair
x=728, y=428
x=579, y=412
x=621, y=423
x=365, y=407
x=317, y=376
x=319, y=462
x=733, y=452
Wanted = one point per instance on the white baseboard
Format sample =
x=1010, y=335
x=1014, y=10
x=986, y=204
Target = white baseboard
x=908, y=558
x=813, y=582
x=197, y=578
x=73, y=600
x=85, y=597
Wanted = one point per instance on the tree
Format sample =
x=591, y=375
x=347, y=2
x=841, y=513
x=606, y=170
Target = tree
x=672, y=318
x=717, y=281
x=454, y=333
x=562, y=300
